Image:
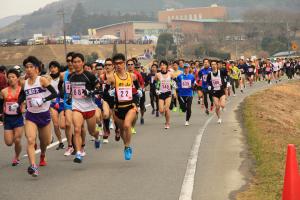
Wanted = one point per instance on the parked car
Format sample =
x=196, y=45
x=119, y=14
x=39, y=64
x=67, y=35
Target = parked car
x=6, y=42
x=20, y=42
x=31, y=42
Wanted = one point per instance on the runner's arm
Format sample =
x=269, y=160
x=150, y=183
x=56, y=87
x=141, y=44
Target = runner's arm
x=46, y=84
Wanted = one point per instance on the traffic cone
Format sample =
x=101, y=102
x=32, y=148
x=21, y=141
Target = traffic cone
x=291, y=188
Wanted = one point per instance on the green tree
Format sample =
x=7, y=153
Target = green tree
x=94, y=55
x=166, y=47
x=273, y=45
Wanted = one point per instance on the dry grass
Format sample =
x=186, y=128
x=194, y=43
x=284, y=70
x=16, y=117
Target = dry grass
x=272, y=122
x=16, y=55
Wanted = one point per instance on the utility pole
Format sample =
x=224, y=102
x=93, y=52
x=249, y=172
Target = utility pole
x=62, y=14
x=288, y=38
x=125, y=36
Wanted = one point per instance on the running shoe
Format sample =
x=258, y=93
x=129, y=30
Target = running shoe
x=69, y=151
x=52, y=140
x=105, y=141
x=187, y=123
x=78, y=158
x=83, y=152
x=60, y=146
x=33, y=170
x=127, y=153
x=167, y=126
x=133, y=131
x=207, y=112
x=157, y=114
x=117, y=136
x=234, y=95
x=15, y=162
x=174, y=109
x=43, y=161
x=142, y=121
x=97, y=144
x=153, y=112
x=219, y=121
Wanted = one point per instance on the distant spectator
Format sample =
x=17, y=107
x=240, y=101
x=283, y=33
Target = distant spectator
x=3, y=80
x=3, y=84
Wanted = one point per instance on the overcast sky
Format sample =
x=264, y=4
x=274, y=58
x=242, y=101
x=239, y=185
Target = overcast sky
x=20, y=7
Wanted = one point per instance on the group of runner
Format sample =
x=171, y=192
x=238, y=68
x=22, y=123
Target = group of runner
x=100, y=96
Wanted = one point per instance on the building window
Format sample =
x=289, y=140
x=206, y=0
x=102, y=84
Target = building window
x=169, y=18
x=199, y=16
x=195, y=16
x=139, y=31
x=186, y=17
x=190, y=17
x=118, y=33
x=176, y=17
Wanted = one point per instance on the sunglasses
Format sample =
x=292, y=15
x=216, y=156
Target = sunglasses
x=130, y=64
x=69, y=60
x=99, y=69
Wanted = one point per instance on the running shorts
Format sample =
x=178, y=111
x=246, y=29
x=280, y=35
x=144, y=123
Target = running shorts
x=40, y=119
x=13, y=121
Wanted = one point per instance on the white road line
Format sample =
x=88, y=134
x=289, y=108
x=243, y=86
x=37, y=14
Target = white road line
x=187, y=187
x=188, y=182
x=63, y=140
x=48, y=147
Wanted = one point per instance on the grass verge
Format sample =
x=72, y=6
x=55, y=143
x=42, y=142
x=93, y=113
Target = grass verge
x=272, y=121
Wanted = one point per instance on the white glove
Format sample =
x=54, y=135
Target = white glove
x=37, y=102
x=111, y=92
x=174, y=84
x=158, y=92
x=140, y=93
x=209, y=88
x=14, y=107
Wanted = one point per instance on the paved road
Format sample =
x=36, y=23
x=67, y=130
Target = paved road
x=158, y=170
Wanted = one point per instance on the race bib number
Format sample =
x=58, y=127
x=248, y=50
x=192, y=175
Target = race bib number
x=68, y=87
x=204, y=77
x=186, y=83
x=78, y=91
x=9, y=110
x=217, y=83
x=268, y=69
x=124, y=93
x=152, y=79
x=250, y=70
x=165, y=85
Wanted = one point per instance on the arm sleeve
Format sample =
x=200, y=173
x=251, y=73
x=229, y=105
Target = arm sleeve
x=136, y=84
x=53, y=92
x=22, y=96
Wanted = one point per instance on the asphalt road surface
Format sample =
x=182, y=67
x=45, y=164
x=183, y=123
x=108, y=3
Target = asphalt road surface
x=202, y=161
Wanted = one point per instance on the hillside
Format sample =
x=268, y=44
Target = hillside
x=46, y=53
x=8, y=20
x=47, y=20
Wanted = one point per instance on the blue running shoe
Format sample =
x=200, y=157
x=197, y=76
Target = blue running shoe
x=128, y=153
x=78, y=158
x=97, y=144
x=33, y=170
